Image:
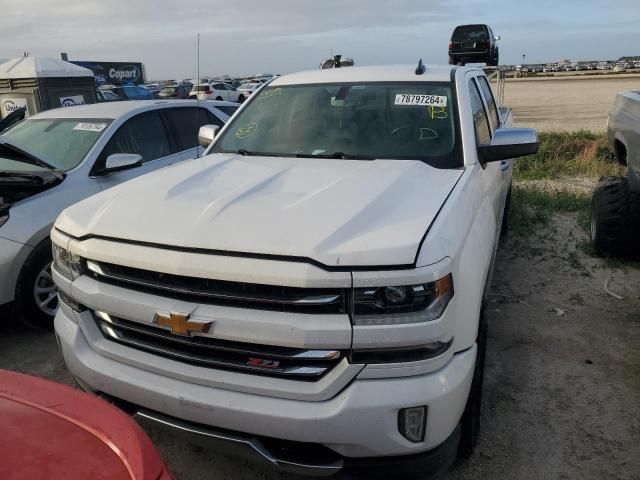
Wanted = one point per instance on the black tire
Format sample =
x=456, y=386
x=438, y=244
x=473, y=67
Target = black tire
x=620, y=153
x=470, y=421
x=504, y=230
x=241, y=99
x=453, y=60
x=27, y=309
x=615, y=218
x=218, y=98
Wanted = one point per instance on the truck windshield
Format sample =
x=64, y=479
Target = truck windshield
x=61, y=142
x=405, y=121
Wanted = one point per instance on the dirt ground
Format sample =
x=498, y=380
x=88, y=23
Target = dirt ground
x=562, y=385
x=566, y=103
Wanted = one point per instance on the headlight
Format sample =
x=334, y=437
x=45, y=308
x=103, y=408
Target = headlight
x=67, y=263
x=385, y=305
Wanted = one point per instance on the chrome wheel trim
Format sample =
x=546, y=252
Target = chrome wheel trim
x=45, y=292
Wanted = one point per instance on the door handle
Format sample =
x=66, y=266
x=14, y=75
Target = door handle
x=504, y=165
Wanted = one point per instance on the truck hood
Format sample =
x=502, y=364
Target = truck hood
x=337, y=212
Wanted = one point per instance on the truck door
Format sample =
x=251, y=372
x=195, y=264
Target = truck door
x=492, y=174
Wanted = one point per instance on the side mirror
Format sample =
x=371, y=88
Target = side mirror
x=509, y=143
x=118, y=162
x=206, y=134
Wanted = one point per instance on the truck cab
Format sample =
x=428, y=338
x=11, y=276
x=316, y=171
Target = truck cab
x=311, y=289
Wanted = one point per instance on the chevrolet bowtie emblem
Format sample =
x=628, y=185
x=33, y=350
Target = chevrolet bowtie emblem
x=180, y=324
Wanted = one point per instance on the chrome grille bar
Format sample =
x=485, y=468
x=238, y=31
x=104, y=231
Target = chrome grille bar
x=213, y=353
x=216, y=291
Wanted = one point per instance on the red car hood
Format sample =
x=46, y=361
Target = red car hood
x=55, y=432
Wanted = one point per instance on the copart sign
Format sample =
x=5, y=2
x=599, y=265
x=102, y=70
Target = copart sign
x=126, y=73
x=10, y=105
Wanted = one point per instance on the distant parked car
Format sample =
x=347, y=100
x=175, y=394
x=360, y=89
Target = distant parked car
x=473, y=44
x=106, y=96
x=218, y=91
x=175, y=91
x=130, y=92
x=247, y=89
x=619, y=68
x=58, y=157
x=52, y=431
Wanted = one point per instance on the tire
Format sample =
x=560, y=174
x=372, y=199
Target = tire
x=452, y=60
x=218, y=98
x=620, y=153
x=470, y=421
x=615, y=218
x=34, y=282
x=241, y=99
x=504, y=229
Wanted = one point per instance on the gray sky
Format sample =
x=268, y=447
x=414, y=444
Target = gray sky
x=280, y=36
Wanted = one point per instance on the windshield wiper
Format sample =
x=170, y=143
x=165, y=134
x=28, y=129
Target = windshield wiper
x=250, y=153
x=28, y=176
x=28, y=158
x=342, y=155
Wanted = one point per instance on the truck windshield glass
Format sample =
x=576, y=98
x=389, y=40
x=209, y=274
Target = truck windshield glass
x=62, y=143
x=369, y=121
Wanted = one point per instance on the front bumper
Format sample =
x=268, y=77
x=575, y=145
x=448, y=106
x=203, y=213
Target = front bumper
x=12, y=257
x=361, y=420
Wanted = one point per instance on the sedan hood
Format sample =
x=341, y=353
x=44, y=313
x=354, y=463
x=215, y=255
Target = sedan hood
x=336, y=212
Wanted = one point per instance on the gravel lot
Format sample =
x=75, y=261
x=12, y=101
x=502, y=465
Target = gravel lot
x=562, y=391
x=566, y=103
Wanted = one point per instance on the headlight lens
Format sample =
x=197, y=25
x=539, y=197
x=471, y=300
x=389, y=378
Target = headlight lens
x=427, y=300
x=67, y=263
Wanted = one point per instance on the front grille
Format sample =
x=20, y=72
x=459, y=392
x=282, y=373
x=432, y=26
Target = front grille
x=293, y=363
x=221, y=292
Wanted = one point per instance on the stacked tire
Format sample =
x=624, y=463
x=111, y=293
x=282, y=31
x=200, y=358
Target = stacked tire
x=615, y=218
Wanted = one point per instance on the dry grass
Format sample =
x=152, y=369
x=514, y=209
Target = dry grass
x=569, y=154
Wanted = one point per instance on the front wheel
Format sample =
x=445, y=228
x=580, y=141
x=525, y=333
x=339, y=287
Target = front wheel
x=36, y=294
x=218, y=98
x=470, y=421
x=241, y=99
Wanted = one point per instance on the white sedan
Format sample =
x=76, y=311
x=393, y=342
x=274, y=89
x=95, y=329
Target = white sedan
x=56, y=158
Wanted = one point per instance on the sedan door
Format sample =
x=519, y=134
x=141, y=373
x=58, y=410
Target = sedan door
x=144, y=134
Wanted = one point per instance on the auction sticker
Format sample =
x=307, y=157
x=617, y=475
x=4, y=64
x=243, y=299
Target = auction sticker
x=423, y=100
x=90, y=127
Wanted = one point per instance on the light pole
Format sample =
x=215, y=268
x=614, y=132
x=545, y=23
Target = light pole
x=523, y=55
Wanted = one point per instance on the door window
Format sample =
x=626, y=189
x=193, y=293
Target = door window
x=143, y=134
x=184, y=125
x=490, y=101
x=480, y=121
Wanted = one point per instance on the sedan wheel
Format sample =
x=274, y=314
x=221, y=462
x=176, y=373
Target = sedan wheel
x=45, y=292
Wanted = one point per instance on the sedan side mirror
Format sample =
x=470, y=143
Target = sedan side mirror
x=509, y=143
x=206, y=134
x=117, y=162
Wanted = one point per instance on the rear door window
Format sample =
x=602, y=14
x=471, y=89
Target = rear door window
x=143, y=134
x=490, y=101
x=184, y=125
x=480, y=121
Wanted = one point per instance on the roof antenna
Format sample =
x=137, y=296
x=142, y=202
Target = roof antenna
x=421, y=68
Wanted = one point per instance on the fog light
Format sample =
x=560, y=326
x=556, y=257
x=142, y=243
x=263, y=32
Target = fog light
x=411, y=423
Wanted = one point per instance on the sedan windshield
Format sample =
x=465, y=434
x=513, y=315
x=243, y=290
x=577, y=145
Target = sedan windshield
x=61, y=142
x=367, y=121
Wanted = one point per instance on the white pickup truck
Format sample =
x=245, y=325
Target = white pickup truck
x=311, y=291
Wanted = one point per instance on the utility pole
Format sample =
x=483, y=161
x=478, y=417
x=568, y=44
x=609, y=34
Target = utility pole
x=523, y=56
